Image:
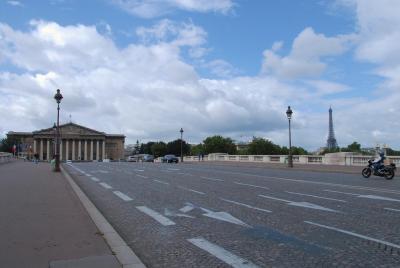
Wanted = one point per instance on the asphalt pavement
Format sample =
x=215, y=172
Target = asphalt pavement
x=235, y=215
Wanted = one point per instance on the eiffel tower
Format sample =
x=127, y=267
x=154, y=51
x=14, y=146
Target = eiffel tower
x=331, y=142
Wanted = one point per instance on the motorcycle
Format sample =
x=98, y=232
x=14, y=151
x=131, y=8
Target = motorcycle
x=386, y=171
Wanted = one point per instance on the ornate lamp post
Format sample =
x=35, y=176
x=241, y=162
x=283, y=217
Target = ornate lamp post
x=53, y=151
x=181, y=131
x=58, y=97
x=289, y=113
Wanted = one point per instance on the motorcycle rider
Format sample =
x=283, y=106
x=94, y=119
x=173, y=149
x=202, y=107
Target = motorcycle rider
x=378, y=163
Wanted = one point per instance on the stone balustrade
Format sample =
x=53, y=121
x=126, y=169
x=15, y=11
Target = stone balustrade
x=345, y=159
x=5, y=157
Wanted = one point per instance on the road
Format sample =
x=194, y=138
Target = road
x=207, y=215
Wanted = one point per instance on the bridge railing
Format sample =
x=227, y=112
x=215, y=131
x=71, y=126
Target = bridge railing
x=5, y=157
x=335, y=159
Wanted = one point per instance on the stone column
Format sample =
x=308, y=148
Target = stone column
x=91, y=150
x=73, y=150
x=48, y=150
x=79, y=150
x=60, y=151
x=34, y=146
x=66, y=150
x=85, y=153
x=104, y=149
x=41, y=149
x=97, y=150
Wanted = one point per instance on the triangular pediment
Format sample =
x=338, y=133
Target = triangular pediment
x=69, y=129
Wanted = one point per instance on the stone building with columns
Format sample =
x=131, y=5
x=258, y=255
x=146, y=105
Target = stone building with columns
x=78, y=143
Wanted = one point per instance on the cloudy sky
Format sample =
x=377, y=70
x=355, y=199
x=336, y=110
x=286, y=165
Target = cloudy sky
x=146, y=68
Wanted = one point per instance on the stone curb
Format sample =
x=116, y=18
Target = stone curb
x=123, y=252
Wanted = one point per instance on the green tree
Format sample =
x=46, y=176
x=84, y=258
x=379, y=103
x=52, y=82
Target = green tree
x=299, y=151
x=219, y=144
x=146, y=147
x=354, y=147
x=261, y=146
x=6, y=145
x=174, y=147
x=159, y=149
x=197, y=149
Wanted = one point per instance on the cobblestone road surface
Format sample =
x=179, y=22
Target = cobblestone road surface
x=202, y=215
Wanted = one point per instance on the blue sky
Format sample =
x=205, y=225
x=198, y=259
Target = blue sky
x=228, y=67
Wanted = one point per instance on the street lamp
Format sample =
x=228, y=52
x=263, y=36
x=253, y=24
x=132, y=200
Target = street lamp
x=55, y=140
x=289, y=113
x=181, y=131
x=58, y=97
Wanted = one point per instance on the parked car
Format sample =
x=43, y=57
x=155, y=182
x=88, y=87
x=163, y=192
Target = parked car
x=132, y=158
x=148, y=158
x=170, y=158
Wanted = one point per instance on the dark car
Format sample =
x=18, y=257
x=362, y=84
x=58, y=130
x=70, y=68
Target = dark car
x=170, y=158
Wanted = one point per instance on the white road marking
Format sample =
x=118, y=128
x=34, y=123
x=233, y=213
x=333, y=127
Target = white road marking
x=156, y=216
x=312, y=182
x=140, y=170
x=316, y=196
x=169, y=213
x=211, y=179
x=173, y=169
x=105, y=185
x=274, y=198
x=354, y=234
x=221, y=253
x=95, y=179
x=122, y=196
x=187, y=174
x=245, y=205
x=191, y=190
x=103, y=171
x=223, y=216
x=187, y=208
x=340, y=192
x=163, y=182
x=89, y=175
x=300, y=204
x=377, y=197
x=393, y=209
x=142, y=176
x=251, y=185
x=369, y=196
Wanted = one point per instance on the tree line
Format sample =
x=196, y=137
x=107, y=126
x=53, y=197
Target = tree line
x=215, y=144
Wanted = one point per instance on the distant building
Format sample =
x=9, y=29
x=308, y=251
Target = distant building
x=331, y=143
x=78, y=143
x=241, y=145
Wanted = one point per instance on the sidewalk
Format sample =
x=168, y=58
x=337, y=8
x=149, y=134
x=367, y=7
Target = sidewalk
x=43, y=223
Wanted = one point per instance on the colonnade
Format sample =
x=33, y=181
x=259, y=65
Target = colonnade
x=70, y=149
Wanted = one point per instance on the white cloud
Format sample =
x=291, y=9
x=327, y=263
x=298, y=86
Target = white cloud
x=15, y=3
x=155, y=8
x=179, y=34
x=305, y=57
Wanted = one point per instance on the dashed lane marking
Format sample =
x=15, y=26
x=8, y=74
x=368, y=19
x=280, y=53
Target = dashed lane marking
x=354, y=234
x=245, y=205
x=393, y=209
x=162, y=182
x=316, y=196
x=191, y=190
x=156, y=216
x=141, y=176
x=122, y=196
x=251, y=185
x=211, y=179
x=95, y=179
x=105, y=185
x=221, y=253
